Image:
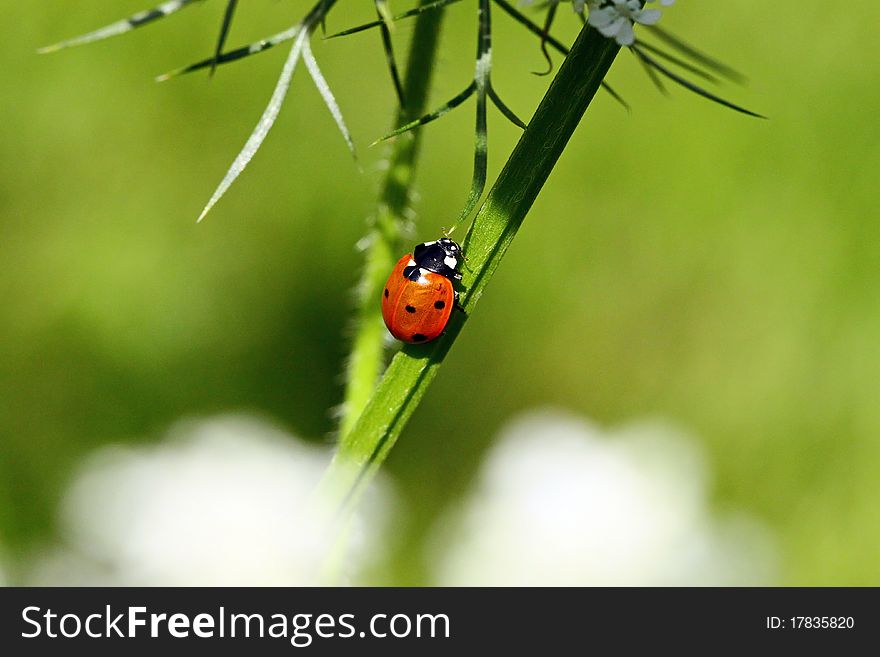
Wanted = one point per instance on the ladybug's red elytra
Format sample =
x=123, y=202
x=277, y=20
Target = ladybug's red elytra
x=420, y=295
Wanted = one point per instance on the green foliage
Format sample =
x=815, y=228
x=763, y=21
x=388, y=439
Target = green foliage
x=411, y=372
x=681, y=262
x=383, y=242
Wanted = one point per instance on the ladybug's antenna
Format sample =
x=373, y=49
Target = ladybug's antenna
x=463, y=255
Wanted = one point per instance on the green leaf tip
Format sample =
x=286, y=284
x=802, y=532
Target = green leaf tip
x=267, y=120
x=122, y=26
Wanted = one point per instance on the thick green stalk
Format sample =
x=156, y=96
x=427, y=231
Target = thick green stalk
x=383, y=241
x=410, y=373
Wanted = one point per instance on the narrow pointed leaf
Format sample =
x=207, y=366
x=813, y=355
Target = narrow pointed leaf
x=316, y=13
x=431, y=116
x=385, y=15
x=384, y=12
x=616, y=96
x=654, y=76
x=224, y=32
x=407, y=14
x=483, y=82
x=690, y=86
x=326, y=93
x=505, y=110
x=354, y=30
x=690, y=51
x=265, y=124
x=233, y=55
x=481, y=150
x=121, y=27
x=681, y=63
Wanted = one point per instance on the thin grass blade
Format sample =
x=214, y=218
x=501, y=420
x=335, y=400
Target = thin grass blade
x=481, y=149
x=431, y=116
x=616, y=96
x=326, y=93
x=407, y=14
x=267, y=120
x=121, y=27
x=483, y=82
x=384, y=13
x=654, y=77
x=690, y=86
x=224, y=32
x=233, y=55
x=504, y=109
x=678, y=61
x=688, y=50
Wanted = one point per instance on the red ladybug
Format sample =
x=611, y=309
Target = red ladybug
x=419, y=295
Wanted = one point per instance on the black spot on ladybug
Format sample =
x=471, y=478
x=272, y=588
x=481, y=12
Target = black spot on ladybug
x=386, y=292
x=439, y=305
x=418, y=337
x=410, y=309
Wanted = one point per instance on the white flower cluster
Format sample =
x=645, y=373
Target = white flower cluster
x=615, y=18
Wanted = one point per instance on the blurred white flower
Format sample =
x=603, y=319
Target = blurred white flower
x=559, y=502
x=221, y=502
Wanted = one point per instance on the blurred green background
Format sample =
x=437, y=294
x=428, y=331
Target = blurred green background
x=682, y=262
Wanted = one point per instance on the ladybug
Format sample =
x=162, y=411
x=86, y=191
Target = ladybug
x=419, y=296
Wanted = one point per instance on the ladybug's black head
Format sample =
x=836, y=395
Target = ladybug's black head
x=450, y=247
x=441, y=257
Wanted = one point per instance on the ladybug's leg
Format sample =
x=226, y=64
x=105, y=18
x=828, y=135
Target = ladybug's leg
x=457, y=305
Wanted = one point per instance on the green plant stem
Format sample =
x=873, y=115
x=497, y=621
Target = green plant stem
x=367, y=356
x=408, y=376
